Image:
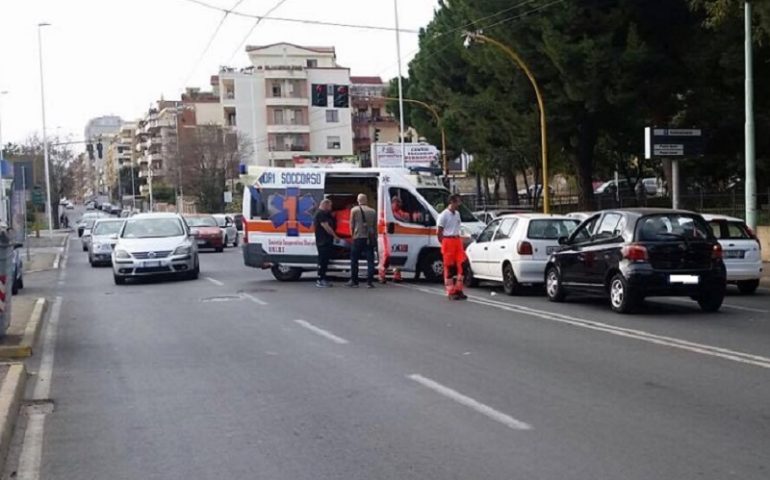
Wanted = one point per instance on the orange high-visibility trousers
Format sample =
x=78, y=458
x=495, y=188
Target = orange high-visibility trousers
x=453, y=252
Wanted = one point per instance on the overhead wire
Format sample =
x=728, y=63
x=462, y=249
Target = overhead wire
x=300, y=20
x=210, y=41
x=275, y=7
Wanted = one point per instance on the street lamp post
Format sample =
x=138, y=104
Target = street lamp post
x=481, y=38
x=400, y=88
x=2, y=184
x=439, y=124
x=49, y=207
x=750, y=160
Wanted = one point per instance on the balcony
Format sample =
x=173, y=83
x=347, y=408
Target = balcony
x=367, y=119
x=288, y=129
x=286, y=101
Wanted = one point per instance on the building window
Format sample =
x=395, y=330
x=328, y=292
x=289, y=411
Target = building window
x=231, y=119
x=312, y=63
x=333, y=143
x=332, y=116
x=278, y=117
x=276, y=88
x=376, y=113
x=299, y=117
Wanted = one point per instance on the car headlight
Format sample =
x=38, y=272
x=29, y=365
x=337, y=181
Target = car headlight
x=183, y=250
x=122, y=254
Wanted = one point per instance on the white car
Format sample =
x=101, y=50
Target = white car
x=741, y=251
x=514, y=249
x=104, y=236
x=227, y=224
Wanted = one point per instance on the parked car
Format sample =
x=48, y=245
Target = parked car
x=609, y=188
x=227, y=224
x=529, y=192
x=153, y=244
x=207, y=232
x=115, y=210
x=514, y=249
x=742, y=251
x=631, y=254
x=487, y=216
x=18, y=269
x=650, y=186
x=104, y=236
x=90, y=206
x=580, y=215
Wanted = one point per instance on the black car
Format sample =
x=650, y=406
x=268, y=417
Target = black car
x=630, y=254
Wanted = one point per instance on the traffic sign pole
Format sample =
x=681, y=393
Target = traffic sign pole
x=751, y=179
x=675, y=183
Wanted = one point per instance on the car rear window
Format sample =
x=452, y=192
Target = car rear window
x=730, y=230
x=672, y=226
x=551, y=229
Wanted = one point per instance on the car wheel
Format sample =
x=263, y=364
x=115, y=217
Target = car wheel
x=118, y=279
x=553, y=287
x=286, y=274
x=748, y=286
x=711, y=302
x=433, y=267
x=510, y=284
x=469, y=280
x=622, y=299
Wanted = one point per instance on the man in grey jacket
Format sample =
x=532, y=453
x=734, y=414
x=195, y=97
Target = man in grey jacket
x=363, y=228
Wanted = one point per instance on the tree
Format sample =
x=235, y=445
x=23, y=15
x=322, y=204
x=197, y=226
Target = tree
x=210, y=156
x=719, y=12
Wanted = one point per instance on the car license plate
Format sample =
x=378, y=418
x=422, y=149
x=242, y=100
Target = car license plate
x=735, y=253
x=151, y=264
x=684, y=279
x=201, y=242
x=550, y=250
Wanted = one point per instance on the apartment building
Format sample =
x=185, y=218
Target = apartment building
x=100, y=130
x=121, y=154
x=155, y=142
x=371, y=121
x=271, y=104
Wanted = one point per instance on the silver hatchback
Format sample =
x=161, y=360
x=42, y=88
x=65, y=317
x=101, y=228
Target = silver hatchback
x=155, y=244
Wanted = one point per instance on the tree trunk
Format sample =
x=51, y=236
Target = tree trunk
x=511, y=189
x=584, y=162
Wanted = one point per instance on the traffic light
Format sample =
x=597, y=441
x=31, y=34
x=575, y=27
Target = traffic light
x=320, y=95
x=90, y=150
x=99, y=150
x=341, y=97
x=376, y=135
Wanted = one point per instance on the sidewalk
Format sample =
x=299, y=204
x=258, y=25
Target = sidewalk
x=765, y=281
x=44, y=251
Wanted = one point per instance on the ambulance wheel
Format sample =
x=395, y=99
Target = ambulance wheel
x=286, y=274
x=433, y=267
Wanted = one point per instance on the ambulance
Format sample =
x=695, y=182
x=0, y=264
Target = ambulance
x=279, y=205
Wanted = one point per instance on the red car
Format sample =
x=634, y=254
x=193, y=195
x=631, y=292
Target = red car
x=206, y=231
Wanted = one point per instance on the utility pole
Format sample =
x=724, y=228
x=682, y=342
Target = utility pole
x=751, y=179
x=48, y=205
x=400, y=88
x=2, y=184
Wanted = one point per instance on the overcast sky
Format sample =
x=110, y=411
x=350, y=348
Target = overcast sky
x=118, y=56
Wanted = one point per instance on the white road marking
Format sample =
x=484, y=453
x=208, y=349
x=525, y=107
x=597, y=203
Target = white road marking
x=32, y=448
x=254, y=299
x=320, y=331
x=458, y=397
x=672, y=342
x=215, y=281
x=56, y=260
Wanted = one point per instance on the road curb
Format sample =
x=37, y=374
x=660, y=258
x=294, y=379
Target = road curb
x=11, y=393
x=31, y=333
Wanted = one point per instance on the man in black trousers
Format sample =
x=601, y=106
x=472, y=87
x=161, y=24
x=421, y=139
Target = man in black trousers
x=324, y=240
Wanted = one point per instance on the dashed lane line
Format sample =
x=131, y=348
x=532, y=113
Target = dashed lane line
x=320, y=331
x=215, y=281
x=254, y=299
x=471, y=403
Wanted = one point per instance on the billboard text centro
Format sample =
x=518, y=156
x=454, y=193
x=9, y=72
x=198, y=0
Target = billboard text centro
x=388, y=155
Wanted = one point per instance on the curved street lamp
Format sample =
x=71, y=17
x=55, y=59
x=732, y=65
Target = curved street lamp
x=479, y=37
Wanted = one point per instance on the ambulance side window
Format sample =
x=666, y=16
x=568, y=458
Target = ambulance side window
x=410, y=210
x=258, y=207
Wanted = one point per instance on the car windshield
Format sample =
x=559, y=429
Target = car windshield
x=672, y=226
x=551, y=229
x=153, y=228
x=439, y=199
x=201, y=221
x=107, y=228
x=221, y=221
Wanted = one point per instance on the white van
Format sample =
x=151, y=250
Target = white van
x=279, y=204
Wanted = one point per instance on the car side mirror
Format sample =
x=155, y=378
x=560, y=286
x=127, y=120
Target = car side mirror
x=391, y=228
x=562, y=240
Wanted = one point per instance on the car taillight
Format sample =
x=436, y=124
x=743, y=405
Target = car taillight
x=716, y=251
x=635, y=253
x=525, y=248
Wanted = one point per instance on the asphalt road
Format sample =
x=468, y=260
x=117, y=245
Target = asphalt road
x=237, y=376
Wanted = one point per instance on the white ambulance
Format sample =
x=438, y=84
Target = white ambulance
x=279, y=205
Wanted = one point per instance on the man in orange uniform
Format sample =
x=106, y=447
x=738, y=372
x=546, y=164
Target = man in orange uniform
x=452, y=249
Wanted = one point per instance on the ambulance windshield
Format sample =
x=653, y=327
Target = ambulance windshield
x=439, y=199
